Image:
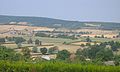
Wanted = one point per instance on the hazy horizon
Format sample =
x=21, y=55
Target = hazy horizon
x=74, y=10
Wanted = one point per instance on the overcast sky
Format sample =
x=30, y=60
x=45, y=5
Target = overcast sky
x=81, y=10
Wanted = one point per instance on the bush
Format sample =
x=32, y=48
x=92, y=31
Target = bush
x=19, y=40
x=43, y=50
x=9, y=54
x=2, y=40
x=34, y=49
x=6, y=66
x=53, y=50
x=63, y=55
x=41, y=35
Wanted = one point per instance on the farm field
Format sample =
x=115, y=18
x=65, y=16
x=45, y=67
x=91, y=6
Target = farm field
x=48, y=41
x=71, y=46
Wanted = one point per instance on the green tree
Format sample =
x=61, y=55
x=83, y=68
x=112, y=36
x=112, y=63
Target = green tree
x=37, y=42
x=117, y=60
x=26, y=53
x=41, y=35
x=79, y=51
x=2, y=40
x=9, y=54
x=30, y=41
x=53, y=50
x=82, y=45
x=88, y=44
x=104, y=54
x=114, y=47
x=89, y=52
x=80, y=54
x=10, y=39
x=102, y=36
x=96, y=36
x=19, y=45
x=63, y=55
x=19, y=40
x=17, y=57
x=34, y=49
x=43, y=50
x=88, y=39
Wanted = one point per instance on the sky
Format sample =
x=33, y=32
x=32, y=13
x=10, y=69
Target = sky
x=76, y=10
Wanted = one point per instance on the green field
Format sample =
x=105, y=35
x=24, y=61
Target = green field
x=61, y=40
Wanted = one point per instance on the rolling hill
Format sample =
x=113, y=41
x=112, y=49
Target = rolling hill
x=49, y=22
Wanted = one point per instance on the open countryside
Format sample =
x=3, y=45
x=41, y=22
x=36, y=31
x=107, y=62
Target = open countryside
x=59, y=36
x=46, y=43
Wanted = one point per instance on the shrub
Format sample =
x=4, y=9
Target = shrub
x=43, y=50
x=63, y=55
x=6, y=66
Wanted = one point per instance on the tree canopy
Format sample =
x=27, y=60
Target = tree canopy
x=63, y=55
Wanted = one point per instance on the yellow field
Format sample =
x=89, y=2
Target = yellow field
x=97, y=31
x=105, y=35
x=4, y=28
x=10, y=45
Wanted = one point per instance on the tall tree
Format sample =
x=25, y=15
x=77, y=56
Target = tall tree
x=30, y=41
x=102, y=36
x=37, y=42
x=88, y=39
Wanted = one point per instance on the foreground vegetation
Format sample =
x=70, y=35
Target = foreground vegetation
x=7, y=66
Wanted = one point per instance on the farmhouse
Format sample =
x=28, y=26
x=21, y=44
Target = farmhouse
x=46, y=57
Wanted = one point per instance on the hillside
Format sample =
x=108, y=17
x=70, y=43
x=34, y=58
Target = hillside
x=49, y=22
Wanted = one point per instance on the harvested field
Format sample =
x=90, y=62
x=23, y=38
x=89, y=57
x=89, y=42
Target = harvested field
x=4, y=28
x=105, y=35
x=10, y=45
x=97, y=31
